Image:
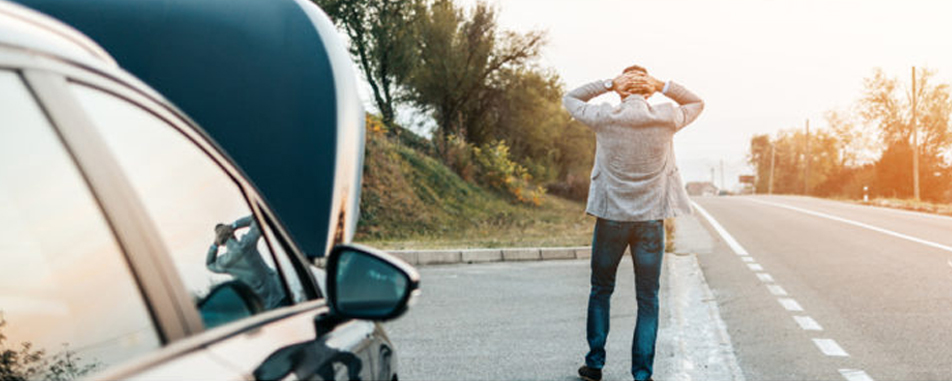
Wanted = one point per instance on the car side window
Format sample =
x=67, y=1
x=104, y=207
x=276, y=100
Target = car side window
x=201, y=213
x=293, y=278
x=69, y=304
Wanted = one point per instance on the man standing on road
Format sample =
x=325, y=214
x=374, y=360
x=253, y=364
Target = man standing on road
x=635, y=186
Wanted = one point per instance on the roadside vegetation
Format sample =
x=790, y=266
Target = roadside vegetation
x=413, y=200
x=22, y=362
x=867, y=149
x=912, y=205
x=503, y=163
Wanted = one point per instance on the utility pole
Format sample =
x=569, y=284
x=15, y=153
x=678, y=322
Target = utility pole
x=712, y=177
x=915, y=141
x=773, y=158
x=723, y=185
x=806, y=169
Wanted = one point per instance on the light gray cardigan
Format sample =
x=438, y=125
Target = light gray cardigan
x=635, y=177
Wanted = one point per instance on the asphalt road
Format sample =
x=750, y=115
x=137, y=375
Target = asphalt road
x=872, y=288
x=807, y=289
x=526, y=321
x=505, y=321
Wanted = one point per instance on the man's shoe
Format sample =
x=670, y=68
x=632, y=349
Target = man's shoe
x=590, y=374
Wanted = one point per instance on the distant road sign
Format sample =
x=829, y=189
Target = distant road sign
x=746, y=179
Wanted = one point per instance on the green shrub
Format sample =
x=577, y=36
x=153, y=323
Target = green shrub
x=498, y=171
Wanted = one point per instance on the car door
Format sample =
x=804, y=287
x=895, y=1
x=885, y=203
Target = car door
x=69, y=304
x=190, y=192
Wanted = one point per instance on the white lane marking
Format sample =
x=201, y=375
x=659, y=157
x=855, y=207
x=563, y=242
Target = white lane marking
x=855, y=375
x=738, y=249
x=790, y=304
x=829, y=347
x=755, y=267
x=764, y=277
x=751, y=259
x=776, y=289
x=807, y=323
x=859, y=224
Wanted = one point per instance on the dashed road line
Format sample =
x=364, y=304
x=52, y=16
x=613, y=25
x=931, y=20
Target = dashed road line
x=829, y=347
x=790, y=304
x=807, y=323
x=855, y=375
x=857, y=223
x=776, y=290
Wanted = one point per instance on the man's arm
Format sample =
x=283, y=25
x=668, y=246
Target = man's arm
x=250, y=239
x=210, y=259
x=690, y=105
x=242, y=222
x=576, y=102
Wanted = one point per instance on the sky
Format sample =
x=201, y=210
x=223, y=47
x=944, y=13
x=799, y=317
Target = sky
x=760, y=65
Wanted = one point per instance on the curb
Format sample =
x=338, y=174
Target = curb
x=520, y=254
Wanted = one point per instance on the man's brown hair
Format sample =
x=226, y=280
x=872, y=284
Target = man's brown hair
x=635, y=68
x=223, y=233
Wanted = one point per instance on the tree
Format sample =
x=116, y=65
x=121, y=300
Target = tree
x=67, y=365
x=382, y=38
x=759, y=157
x=25, y=363
x=856, y=141
x=791, y=158
x=526, y=111
x=19, y=364
x=888, y=108
x=459, y=55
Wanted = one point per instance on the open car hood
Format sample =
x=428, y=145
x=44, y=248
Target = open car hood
x=269, y=80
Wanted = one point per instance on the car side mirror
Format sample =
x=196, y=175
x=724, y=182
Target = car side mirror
x=366, y=283
x=227, y=302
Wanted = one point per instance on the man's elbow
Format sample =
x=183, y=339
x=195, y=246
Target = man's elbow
x=572, y=105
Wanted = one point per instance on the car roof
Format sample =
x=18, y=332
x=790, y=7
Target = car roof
x=269, y=80
x=24, y=28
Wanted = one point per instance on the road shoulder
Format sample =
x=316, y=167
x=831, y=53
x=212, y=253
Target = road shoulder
x=693, y=342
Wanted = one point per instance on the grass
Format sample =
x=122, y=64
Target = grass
x=557, y=222
x=905, y=204
x=412, y=201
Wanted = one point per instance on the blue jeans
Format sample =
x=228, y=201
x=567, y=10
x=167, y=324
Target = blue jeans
x=608, y=246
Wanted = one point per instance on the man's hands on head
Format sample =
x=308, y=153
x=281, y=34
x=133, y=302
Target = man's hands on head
x=635, y=82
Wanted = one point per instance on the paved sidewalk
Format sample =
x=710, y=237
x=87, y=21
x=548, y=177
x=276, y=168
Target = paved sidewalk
x=693, y=343
x=516, y=254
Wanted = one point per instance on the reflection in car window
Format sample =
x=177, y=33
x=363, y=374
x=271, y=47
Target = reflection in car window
x=69, y=306
x=200, y=212
x=295, y=285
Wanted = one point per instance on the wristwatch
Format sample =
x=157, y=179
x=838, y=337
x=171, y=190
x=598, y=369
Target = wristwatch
x=609, y=84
